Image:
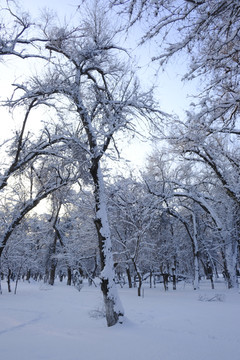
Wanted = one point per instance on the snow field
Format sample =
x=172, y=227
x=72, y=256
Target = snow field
x=60, y=323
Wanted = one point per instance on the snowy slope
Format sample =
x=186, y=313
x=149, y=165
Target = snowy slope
x=60, y=323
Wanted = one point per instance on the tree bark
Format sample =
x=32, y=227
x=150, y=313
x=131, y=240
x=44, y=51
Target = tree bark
x=139, y=277
x=114, y=310
x=174, y=278
x=195, y=254
x=69, y=276
x=9, y=280
x=129, y=277
x=231, y=263
x=165, y=281
x=1, y=278
x=53, y=262
x=150, y=278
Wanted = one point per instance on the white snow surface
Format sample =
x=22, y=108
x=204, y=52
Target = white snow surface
x=60, y=323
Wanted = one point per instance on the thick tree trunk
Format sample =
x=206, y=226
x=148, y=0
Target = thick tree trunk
x=114, y=310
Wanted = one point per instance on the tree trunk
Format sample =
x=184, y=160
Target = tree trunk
x=209, y=273
x=174, y=278
x=231, y=263
x=114, y=310
x=129, y=277
x=28, y=276
x=1, y=278
x=17, y=278
x=53, y=262
x=195, y=254
x=69, y=276
x=139, y=277
x=52, y=274
x=165, y=281
x=150, y=278
x=9, y=280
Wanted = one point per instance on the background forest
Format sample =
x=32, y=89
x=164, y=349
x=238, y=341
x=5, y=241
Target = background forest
x=70, y=207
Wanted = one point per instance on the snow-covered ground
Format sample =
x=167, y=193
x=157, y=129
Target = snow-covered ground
x=60, y=323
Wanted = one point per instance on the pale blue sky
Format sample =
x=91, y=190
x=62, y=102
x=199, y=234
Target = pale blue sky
x=171, y=92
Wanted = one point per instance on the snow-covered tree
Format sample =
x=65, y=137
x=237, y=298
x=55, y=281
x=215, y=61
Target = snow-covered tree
x=215, y=154
x=132, y=215
x=72, y=242
x=17, y=36
x=98, y=89
x=36, y=170
x=199, y=200
x=206, y=30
